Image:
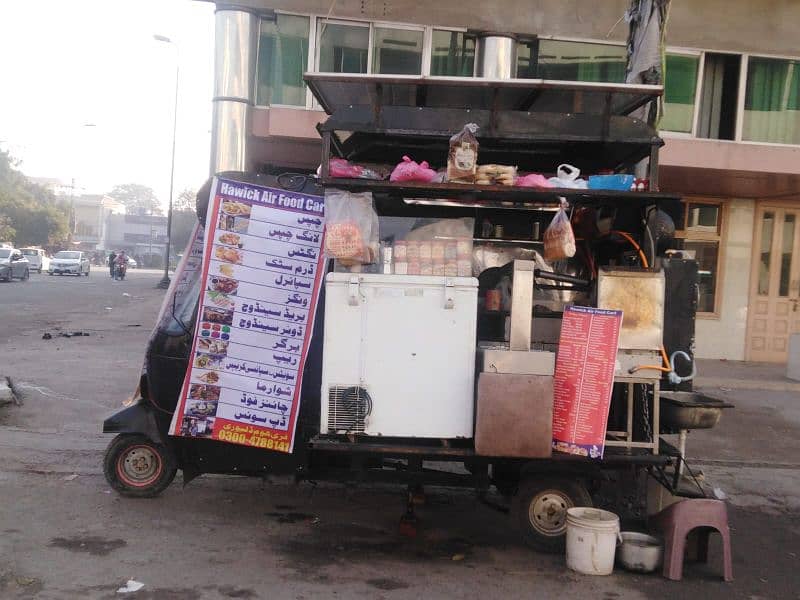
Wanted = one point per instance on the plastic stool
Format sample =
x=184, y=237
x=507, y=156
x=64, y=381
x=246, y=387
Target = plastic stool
x=678, y=520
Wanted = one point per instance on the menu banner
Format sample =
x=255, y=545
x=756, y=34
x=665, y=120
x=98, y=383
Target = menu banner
x=584, y=379
x=261, y=274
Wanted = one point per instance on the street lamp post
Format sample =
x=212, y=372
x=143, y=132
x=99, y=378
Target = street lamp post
x=164, y=283
x=73, y=222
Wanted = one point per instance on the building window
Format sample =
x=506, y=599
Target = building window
x=527, y=57
x=580, y=61
x=765, y=252
x=397, y=51
x=703, y=237
x=452, y=53
x=282, y=60
x=343, y=47
x=680, y=88
x=719, y=96
x=772, y=101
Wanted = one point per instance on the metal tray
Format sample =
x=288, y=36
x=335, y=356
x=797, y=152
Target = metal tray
x=689, y=410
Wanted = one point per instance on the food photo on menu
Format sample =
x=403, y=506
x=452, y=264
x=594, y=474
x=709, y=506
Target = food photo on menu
x=236, y=209
x=197, y=426
x=233, y=224
x=223, y=285
x=204, y=392
x=209, y=361
x=213, y=346
x=231, y=255
x=217, y=315
x=210, y=377
x=201, y=408
x=225, y=270
x=230, y=239
x=220, y=300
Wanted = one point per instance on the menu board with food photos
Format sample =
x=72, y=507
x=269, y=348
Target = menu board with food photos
x=262, y=271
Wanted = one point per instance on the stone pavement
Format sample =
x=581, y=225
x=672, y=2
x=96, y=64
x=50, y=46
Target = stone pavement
x=740, y=375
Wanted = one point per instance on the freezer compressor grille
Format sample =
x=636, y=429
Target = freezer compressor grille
x=348, y=408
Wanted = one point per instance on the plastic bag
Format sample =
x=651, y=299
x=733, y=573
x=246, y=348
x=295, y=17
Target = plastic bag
x=462, y=159
x=351, y=227
x=567, y=177
x=533, y=180
x=339, y=167
x=559, y=240
x=408, y=170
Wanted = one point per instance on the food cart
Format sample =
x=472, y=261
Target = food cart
x=439, y=369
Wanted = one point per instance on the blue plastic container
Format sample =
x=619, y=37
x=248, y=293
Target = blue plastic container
x=620, y=183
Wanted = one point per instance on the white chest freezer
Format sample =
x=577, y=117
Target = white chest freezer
x=399, y=355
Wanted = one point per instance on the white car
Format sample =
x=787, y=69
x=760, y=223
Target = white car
x=69, y=262
x=37, y=259
x=132, y=264
x=13, y=264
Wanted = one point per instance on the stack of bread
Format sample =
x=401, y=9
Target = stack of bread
x=495, y=175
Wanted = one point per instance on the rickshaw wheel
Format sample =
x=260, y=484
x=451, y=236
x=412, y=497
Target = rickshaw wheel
x=540, y=510
x=136, y=466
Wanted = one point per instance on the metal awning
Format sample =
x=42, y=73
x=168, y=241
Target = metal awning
x=335, y=91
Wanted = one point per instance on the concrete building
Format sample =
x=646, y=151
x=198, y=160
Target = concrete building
x=91, y=214
x=732, y=116
x=142, y=236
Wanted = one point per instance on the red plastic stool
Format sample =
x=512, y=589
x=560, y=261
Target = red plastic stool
x=678, y=520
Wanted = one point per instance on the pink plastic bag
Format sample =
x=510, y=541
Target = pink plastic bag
x=339, y=167
x=408, y=170
x=533, y=180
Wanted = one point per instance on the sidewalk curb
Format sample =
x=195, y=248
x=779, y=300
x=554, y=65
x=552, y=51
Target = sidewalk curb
x=745, y=384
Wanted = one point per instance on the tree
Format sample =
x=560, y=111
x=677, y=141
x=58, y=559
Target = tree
x=184, y=217
x=137, y=198
x=29, y=214
x=182, y=225
x=185, y=200
x=7, y=232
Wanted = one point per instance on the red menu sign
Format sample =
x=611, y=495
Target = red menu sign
x=584, y=378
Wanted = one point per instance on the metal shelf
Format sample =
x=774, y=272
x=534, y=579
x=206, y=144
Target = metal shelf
x=508, y=241
x=502, y=193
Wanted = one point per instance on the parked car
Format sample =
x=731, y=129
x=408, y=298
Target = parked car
x=70, y=262
x=37, y=259
x=132, y=264
x=13, y=264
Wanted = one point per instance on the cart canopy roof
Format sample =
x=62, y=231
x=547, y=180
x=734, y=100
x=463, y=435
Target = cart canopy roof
x=335, y=91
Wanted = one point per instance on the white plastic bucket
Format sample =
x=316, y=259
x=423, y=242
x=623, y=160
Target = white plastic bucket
x=591, y=540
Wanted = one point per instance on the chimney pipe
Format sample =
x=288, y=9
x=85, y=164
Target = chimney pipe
x=497, y=55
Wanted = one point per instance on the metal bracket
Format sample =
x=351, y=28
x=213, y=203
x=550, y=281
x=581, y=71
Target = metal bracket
x=449, y=289
x=353, y=292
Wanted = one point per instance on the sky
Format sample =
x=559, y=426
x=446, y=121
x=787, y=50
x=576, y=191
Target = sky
x=68, y=64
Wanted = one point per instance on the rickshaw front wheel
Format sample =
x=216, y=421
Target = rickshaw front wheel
x=138, y=467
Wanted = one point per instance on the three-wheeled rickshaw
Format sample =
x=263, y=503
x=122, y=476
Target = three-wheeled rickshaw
x=394, y=391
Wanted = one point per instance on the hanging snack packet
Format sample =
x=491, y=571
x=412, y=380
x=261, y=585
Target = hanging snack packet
x=351, y=227
x=559, y=240
x=462, y=160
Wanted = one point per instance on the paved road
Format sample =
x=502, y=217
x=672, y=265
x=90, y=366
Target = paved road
x=64, y=534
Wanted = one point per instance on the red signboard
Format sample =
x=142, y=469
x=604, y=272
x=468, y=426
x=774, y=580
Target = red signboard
x=584, y=378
